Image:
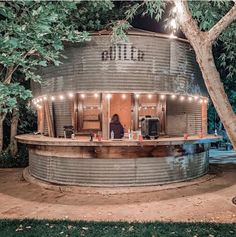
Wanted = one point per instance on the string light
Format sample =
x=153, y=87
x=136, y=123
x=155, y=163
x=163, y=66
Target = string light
x=162, y=97
x=71, y=95
x=109, y=96
x=37, y=101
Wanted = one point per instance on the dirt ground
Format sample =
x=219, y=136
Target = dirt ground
x=210, y=200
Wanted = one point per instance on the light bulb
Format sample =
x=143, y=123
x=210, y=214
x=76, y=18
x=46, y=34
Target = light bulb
x=71, y=95
x=181, y=98
x=137, y=95
x=190, y=98
x=82, y=96
x=52, y=98
x=123, y=96
x=173, y=96
x=61, y=97
x=96, y=95
x=149, y=96
x=45, y=98
x=196, y=97
x=162, y=97
x=109, y=96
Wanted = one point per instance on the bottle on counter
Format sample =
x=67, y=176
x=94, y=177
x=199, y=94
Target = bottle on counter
x=112, y=134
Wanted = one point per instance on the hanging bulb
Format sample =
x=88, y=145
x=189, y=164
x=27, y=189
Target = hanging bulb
x=173, y=96
x=109, y=96
x=181, y=98
x=123, y=96
x=82, y=96
x=190, y=98
x=149, y=96
x=52, y=98
x=137, y=95
x=61, y=97
x=162, y=97
x=96, y=95
x=71, y=95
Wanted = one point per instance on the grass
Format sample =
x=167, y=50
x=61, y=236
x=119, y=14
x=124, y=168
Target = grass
x=43, y=228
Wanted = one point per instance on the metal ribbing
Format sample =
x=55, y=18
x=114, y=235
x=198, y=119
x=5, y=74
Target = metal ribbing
x=168, y=66
x=183, y=117
x=63, y=117
x=120, y=172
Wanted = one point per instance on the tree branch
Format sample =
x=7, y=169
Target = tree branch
x=187, y=24
x=216, y=30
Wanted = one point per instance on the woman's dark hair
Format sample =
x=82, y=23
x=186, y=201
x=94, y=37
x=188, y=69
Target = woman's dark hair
x=115, y=118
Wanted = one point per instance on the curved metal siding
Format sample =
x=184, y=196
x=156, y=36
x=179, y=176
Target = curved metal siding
x=168, y=66
x=62, y=116
x=183, y=117
x=120, y=172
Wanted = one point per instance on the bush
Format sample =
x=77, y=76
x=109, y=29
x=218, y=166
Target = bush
x=19, y=161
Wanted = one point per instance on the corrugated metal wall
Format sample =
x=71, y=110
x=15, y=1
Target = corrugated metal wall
x=63, y=115
x=168, y=65
x=118, y=172
x=183, y=117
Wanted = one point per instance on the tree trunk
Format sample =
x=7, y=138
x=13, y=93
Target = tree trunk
x=14, y=124
x=202, y=44
x=2, y=117
x=216, y=91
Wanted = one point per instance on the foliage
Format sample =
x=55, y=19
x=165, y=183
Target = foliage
x=20, y=160
x=33, y=33
x=81, y=228
x=10, y=94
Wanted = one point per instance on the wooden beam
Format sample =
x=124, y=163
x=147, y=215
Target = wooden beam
x=40, y=113
x=105, y=116
x=49, y=119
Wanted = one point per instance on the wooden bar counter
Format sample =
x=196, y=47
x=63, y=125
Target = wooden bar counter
x=117, y=162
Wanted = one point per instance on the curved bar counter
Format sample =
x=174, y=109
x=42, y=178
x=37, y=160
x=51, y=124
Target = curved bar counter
x=117, y=163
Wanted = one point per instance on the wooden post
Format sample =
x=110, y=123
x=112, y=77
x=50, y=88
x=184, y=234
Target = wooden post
x=40, y=113
x=204, y=118
x=49, y=119
x=161, y=112
x=135, y=113
x=105, y=116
